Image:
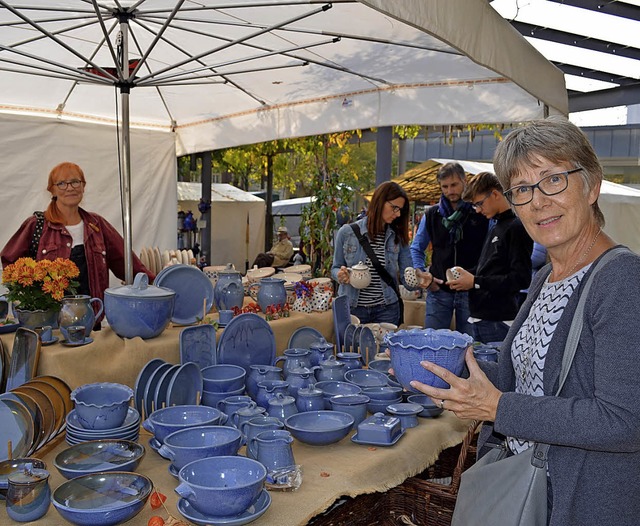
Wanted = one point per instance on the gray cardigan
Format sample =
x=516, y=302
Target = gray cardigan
x=594, y=425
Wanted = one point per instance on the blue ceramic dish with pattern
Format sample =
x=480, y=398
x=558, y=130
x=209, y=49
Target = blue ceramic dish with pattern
x=320, y=428
x=102, y=499
x=99, y=455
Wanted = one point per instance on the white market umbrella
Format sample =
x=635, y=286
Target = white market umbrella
x=229, y=72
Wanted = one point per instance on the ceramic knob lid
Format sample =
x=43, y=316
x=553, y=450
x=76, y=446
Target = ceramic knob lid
x=28, y=476
x=141, y=288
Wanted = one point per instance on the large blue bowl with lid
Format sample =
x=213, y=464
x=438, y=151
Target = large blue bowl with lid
x=443, y=347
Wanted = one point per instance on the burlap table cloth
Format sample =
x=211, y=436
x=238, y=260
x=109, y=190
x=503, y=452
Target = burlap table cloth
x=328, y=473
x=113, y=359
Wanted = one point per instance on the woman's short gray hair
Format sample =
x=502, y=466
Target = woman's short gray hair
x=555, y=139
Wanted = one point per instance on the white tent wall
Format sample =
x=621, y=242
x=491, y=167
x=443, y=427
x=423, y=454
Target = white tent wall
x=621, y=208
x=230, y=207
x=31, y=146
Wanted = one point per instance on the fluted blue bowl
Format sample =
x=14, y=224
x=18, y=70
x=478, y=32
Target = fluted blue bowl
x=102, y=405
x=319, y=428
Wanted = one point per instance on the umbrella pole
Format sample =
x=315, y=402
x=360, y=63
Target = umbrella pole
x=125, y=171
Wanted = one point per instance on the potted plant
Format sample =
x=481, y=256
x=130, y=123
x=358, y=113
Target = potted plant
x=36, y=288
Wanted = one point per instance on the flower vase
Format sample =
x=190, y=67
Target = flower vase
x=37, y=318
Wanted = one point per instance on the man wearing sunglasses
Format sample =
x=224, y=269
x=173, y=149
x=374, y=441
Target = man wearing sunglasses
x=456, y=233
x=504, y=267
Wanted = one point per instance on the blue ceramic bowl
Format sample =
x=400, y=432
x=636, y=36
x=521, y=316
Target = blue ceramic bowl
x=223, y=378
x=355, y=405
x=430, y=409
x=441, y=346
x=99, y=456
x=380, y=406
x=386, y=392
x=366, y=378
x=484, y=353
x=194, y=443
x=212, y=398
x=380, y=365
x=319, y=428
x=165, y=421
x=222, y=486
x=102, y=405
x=102, y=499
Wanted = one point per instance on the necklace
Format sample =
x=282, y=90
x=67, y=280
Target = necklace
x=582, y=258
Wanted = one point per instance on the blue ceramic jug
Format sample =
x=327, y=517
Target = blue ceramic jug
x=78, y=310
x=310, y=399
x=254, y=427
x=270, y=388
x=298, y=378
x=294, y=358
x=273, y=449
x=271, y=293
x=320, y=350
x=260, y=373
x=229, y=291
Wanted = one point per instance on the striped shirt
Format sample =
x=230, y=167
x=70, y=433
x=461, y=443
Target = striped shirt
x=372, y=295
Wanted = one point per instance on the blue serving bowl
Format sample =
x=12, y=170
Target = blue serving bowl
x=380, y=365
x=441, y=346
x=366, y=378
x=430, y=409
x=380, y=406
x=386, y=392
x=194, y=443
x=223, y=378
x=319, y=428
x=102, y=499
x=222, y=486
x=99, y=456
x=102, y=405
x=355, y=405
x=331, y=388
x=165, y=421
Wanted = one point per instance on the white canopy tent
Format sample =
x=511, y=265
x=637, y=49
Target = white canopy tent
x=220, y=74
x=233, y=211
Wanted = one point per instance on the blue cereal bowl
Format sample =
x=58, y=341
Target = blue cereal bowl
x=319, y=428
x=223, y=378
x=366, y=378
x=429, y=410
x=194, y=443
x=165, y=421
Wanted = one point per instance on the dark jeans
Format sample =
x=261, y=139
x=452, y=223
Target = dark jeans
x=440, y=307
x=378, y=313
x=486, y=331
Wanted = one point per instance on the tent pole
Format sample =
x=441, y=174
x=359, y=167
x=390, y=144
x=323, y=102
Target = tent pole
x=125, y=171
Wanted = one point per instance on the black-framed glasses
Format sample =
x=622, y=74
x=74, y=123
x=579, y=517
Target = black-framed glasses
x=479, y=204
x=550, y=185
x=394, y=208
x=75, y=183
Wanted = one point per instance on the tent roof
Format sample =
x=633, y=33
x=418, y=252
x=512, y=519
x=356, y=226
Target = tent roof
x=223, y=73
x=421, y=183
x=220, y=192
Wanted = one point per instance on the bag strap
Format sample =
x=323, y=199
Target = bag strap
x=37, y=234
x=539, y=457
x=384, y=274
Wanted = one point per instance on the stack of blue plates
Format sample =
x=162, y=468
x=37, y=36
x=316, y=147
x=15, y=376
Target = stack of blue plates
x=129, y=430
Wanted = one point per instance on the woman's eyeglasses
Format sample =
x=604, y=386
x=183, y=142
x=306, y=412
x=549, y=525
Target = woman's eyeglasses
x=395, y=208
x=550, y=185
x=75, y=183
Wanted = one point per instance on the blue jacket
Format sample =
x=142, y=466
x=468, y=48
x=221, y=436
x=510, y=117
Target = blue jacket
x=593, y=426
x=349, y=252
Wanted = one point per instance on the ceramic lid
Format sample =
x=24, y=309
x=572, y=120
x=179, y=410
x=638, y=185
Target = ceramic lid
x=229, y=269
x=28, y=476
x=141, y=289
x=406, y=408
x=331, y=362
x=258, y=273
x=298, y=269
x=360, y=266
x=311, y=390
x=321, y=345
x=281, y=399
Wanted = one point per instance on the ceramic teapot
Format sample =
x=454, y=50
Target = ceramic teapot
x=271, y=292
x=320, y=350
x=294, y=358
x=78, y=310
x=359, y=276
x=330, y=369
x=229, y=291
x=282, y=406
x=298, y=378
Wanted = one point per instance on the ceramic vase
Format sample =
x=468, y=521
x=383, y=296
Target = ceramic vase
x=37, y=318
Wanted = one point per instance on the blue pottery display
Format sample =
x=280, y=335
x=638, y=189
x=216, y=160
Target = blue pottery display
x=140, y=309
x=78, y=310
x=222, y=486
x=271, y=292
x=29, y=495
x=229, y=291
x=260, y=373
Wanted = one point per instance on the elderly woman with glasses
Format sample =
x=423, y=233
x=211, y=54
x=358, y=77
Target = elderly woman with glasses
x=65, y=230
x=385, y=229
x=592, y=425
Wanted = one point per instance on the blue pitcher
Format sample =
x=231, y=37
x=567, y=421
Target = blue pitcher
x=271, y=293
x=294, y=358
x=78, y=310
x=229, y=291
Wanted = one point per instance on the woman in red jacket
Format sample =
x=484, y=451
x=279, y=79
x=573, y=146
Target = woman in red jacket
x=65, y=230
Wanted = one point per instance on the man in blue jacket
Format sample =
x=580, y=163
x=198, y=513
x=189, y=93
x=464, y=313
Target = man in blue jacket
x=456, y=233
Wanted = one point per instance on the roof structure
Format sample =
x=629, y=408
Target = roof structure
x=595, y=43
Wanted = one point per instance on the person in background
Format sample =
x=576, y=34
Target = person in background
x=280, y=254
x=538, y=260
x=553, y=179
x=66, y=230
x=386, y=226
x=504, y=267
x=456, y=233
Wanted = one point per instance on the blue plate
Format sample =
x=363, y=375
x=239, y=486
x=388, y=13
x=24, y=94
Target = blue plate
x=250, y=515
x=247, y=340
x=150, y=389
x=198, y=345
x=192, y=288
x=142, y=379
x=17, y=427
x=9, y=327
x=162, y=388
x=347, y=340
x=24, y=358
x=368, y=345
x=304, y=337
x=186, y=385
x=356, y=440
x=49, y=342
x=86, y=341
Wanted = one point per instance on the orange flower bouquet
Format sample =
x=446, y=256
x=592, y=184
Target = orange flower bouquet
x=40, y=285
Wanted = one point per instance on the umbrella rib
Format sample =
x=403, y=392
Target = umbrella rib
x=46, y=72
x=239, y=41
x=235, y=5
x=105, y=33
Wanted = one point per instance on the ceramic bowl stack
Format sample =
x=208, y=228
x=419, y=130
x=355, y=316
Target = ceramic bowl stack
x=102, y=411
x=221, y=381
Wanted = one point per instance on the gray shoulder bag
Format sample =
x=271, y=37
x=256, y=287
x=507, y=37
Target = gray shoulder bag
x=512, y=491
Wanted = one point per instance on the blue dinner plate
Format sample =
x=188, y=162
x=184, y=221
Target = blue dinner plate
x=150, y=389
x=186, y=385
x=162, y=389
x=368, y=344
x=192, y=288
x=142, y=379
x=248, y=340
x=304, y=337
x=17, y=427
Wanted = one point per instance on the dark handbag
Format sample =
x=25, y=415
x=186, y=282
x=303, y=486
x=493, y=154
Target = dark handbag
x=382, y=272
x=512, y=491
x=37, y=234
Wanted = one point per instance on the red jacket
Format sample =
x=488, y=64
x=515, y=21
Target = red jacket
x=103, y=246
